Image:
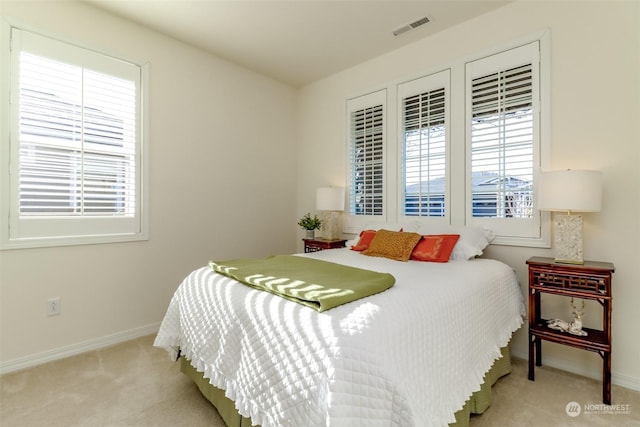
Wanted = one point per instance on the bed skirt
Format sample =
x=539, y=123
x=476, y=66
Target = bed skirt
x=477, y=404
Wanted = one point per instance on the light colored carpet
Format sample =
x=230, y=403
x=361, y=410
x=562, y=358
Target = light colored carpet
x=135, y=384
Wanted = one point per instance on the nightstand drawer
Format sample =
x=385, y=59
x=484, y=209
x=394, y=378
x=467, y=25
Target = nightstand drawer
x=589, y=280
x=315, y=245
x=589, y=283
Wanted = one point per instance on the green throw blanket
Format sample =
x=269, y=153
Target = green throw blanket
x=318, y=284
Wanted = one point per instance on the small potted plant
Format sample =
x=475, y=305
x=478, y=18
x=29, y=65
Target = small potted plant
x=310, y=224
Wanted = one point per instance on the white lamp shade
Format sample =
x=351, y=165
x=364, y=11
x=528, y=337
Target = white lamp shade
x=330, y=199
x=570, y=190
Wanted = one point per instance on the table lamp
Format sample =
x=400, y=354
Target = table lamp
x=330, y=200
x=569, y=191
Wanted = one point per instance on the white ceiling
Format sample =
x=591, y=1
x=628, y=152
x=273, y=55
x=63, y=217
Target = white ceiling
x=296, y=41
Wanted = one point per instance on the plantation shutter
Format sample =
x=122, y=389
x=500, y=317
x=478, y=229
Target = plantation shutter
x=76, y=142
x=504, y=138
x=502, y=143
x=366, y=160
x=424, y=115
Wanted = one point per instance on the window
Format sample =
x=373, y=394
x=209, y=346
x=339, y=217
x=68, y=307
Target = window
x=75, y=145
x=502, y=144
x=503, y=104
x=468, y=144
x=366, y=117
x=424, y=120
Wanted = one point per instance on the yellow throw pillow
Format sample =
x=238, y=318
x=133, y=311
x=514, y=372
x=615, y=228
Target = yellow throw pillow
x=392, y=244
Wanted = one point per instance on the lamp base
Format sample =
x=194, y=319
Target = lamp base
x=331, y=227
x=568, y=239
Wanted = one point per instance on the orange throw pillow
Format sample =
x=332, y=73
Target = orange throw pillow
x=435, y=247
x=395, y=245
x=366, y=236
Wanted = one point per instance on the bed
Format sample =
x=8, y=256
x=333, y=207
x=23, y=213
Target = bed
x=412, y=355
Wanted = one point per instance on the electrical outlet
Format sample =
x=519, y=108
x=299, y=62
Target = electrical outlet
x=53, y=306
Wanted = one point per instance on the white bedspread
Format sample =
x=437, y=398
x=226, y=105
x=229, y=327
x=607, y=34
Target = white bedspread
x=410, y=356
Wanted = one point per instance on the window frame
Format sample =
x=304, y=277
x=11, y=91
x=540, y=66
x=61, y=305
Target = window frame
x=436, y=80
x=354, y=223
x=506, y=229
x=49, y=231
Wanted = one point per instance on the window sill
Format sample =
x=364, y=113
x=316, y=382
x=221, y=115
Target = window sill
x=70, y=241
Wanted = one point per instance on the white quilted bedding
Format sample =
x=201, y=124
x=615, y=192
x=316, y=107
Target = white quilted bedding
x=410, y=356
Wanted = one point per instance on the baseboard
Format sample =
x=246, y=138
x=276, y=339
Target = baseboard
x=73, y=349
x=565, y=365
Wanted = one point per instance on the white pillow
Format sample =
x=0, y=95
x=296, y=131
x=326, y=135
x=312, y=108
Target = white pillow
x=472, y=241
x=351, y=242
x=409, y=227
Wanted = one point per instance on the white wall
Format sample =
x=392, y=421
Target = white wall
x=595, y=107
x=222, y=186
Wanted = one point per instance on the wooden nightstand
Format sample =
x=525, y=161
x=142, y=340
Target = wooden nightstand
x=592, y=281
x=315, y=245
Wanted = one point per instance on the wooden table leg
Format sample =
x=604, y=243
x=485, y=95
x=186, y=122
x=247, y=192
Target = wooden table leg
x=606, y=378
x=532, y=340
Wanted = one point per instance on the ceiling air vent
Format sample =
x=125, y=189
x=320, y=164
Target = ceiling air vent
x=410, y=26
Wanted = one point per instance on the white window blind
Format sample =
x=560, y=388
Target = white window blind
x=76, y=143
x=504, y=109
x=77, y=140
x=424, y=117
x=502, y=144
x=366, y=157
